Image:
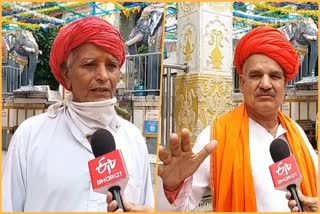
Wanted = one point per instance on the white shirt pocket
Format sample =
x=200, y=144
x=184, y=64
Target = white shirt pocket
x=97, y=202
x=134, y=189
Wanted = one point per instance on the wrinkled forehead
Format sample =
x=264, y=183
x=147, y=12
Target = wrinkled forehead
x=258, y=62
x=85, y=50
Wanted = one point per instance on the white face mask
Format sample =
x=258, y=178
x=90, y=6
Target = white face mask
x=88, y=116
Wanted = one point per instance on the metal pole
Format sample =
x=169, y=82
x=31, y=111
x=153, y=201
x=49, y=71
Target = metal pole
x=173, y=128
x=158, y=73
x=168, y=94
x=150, y=73
x=127, y=74
x=185, y=68
x=163, y=111
x=145, y=72
x=139, y=70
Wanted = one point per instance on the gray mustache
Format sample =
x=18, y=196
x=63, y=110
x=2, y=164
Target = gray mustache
x=265, y=93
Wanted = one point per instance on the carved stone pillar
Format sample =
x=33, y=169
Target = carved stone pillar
x=205, y=44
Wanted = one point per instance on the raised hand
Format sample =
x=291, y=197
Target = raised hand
x=181, y=163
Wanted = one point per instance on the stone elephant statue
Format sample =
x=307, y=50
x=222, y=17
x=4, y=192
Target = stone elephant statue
x=22, y=51
x=303, y=34
x=148, y=32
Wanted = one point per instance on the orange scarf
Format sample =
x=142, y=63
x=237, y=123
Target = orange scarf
x=231, y=178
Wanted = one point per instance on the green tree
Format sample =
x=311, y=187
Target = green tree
x=43, y=75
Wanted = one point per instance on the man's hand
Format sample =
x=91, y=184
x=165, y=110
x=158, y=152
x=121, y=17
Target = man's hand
x=309, y=204
x=129, y=207
x=182, y=162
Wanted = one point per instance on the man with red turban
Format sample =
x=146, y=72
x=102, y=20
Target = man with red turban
x=231, y=157
x=47, y=161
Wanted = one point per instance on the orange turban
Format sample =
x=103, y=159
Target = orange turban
x=86, y=30
x=270, y=42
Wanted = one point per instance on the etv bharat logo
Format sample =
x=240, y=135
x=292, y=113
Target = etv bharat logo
x=283, y=168
x=105, y=165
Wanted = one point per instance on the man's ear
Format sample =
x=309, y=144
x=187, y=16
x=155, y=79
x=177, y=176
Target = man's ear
x=241, y=81
x=65, y=74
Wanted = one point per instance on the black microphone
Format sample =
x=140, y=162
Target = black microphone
x=102, y=142
x=285, y=165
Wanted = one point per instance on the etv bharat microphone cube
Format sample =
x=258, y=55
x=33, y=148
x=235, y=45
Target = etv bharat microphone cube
x=107, y=171
x=285, y=172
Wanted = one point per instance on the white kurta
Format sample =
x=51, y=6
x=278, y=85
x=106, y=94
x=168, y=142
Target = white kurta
x=47, y=167
x=267, y=198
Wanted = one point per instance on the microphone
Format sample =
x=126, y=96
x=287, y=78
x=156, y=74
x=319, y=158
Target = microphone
x=285, y=172
x=108, y=171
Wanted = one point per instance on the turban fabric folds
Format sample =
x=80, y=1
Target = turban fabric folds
x=270, y=42
x=92, y=30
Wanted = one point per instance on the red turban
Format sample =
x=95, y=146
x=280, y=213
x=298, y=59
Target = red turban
x=86, y=30
x=270, y=42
